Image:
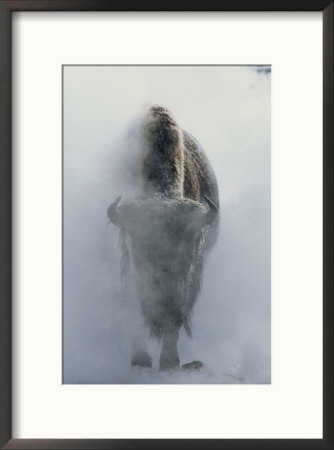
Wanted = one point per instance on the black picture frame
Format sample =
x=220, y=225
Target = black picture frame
x=6, y=9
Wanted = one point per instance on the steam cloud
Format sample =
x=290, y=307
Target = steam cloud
x=228, y=110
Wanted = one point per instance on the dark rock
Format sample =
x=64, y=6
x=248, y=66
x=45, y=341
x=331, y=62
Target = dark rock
x=192, y=365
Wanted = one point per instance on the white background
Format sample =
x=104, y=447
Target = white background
x=291, y=407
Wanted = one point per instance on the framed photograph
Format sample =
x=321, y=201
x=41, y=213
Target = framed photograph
x=155, y=291
x=167, y=217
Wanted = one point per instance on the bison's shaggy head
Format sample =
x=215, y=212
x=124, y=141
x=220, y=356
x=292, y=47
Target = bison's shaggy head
x=166, y=236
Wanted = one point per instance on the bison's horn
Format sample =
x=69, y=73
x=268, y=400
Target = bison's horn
x=113, y=214
x=212, y=213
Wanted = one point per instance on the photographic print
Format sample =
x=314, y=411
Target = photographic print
x=166, y=224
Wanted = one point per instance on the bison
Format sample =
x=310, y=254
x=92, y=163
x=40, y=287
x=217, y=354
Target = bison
x=170, y=226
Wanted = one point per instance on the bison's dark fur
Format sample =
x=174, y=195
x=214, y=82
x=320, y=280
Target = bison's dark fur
x=171, y=225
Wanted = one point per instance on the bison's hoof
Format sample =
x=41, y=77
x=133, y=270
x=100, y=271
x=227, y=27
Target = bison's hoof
x=169, y=365
x=142, y=361
x=192, y=365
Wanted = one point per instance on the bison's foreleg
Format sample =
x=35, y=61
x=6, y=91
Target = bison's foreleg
x=169, y=358
x=140, y=355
